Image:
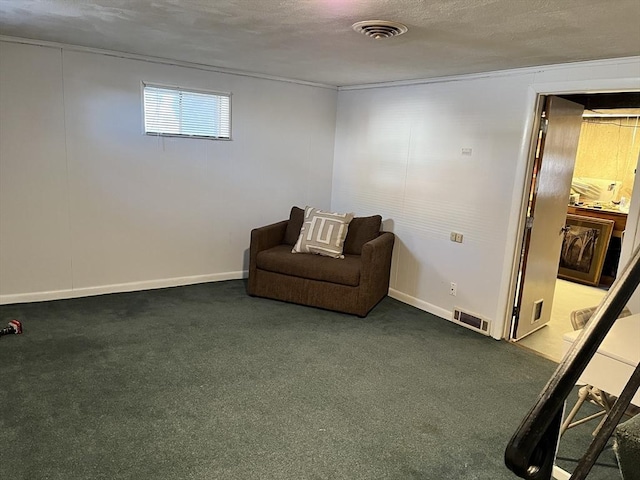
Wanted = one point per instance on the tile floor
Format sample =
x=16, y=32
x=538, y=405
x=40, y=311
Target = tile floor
x=568, y=297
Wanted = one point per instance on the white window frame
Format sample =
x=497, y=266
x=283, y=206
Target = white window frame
x=174, y=88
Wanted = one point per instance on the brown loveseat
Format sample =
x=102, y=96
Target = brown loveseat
x=353, y=284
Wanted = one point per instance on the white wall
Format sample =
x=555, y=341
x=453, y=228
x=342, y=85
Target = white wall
x=399, y=153
x=35, y=248
x=89, y=204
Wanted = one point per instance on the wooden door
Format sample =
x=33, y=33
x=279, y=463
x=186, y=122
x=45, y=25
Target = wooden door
x=553, y=171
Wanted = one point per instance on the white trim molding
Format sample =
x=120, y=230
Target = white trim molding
x=510, y=72
x=421, y=304
x=430, y=308
x=120, y=288
x=161, y=60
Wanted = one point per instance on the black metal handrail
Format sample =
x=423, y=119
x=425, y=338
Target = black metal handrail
x=531, y=451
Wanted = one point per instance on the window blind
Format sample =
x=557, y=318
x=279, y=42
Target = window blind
x=178, y=112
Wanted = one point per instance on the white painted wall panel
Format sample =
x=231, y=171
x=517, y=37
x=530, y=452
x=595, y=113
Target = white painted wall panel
x=399, y=153
x=145, y=209
x=35, y=246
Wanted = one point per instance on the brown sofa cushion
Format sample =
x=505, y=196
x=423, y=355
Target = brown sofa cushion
x=296, y=219
x=361, y=231
x=345, y=271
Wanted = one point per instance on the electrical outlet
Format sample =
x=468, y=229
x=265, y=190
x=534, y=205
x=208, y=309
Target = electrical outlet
x=459, y=237
x=454, y=289
x=453, y=236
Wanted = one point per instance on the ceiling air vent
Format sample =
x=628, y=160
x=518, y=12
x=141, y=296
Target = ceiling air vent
x=379, y=28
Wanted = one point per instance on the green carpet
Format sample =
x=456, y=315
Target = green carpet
x=205, y=382
x=627, y=447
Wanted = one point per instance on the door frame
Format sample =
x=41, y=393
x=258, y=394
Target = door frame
x=537, y=96
x=510, y=324
x=631, y=238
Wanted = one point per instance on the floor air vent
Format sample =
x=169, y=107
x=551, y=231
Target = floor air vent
x=472, y=321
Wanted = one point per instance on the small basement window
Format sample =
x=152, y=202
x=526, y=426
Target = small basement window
x=177, y=112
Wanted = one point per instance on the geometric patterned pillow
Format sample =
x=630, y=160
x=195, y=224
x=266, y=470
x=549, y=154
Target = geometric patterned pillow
x=323, y=233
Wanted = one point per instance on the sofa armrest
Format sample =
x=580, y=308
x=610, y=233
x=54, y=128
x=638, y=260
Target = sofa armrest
x=268, y=236
x=376, y=254
x=263, y=238
x=376, y=267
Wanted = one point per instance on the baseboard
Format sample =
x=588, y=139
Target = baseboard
x=425, y=306
x=119, y=288
x=421, y=304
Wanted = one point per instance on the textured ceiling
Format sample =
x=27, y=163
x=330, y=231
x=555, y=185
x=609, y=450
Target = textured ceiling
x=312, y=40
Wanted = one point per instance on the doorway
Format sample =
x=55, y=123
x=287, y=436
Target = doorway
x=615, y=109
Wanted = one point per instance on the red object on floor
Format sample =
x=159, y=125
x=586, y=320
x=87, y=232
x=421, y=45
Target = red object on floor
x=14, y=327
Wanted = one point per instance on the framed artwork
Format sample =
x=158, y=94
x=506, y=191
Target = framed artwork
x=584, y=247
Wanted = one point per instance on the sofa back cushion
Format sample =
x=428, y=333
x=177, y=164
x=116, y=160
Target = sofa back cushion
x=361, y=231
x=296, y=219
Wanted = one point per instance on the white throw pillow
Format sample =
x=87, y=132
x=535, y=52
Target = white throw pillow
x=323, y=233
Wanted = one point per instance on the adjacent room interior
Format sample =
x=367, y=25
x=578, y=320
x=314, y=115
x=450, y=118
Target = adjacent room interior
x=605, y=173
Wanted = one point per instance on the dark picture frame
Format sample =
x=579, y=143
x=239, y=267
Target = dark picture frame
x=584, y=247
